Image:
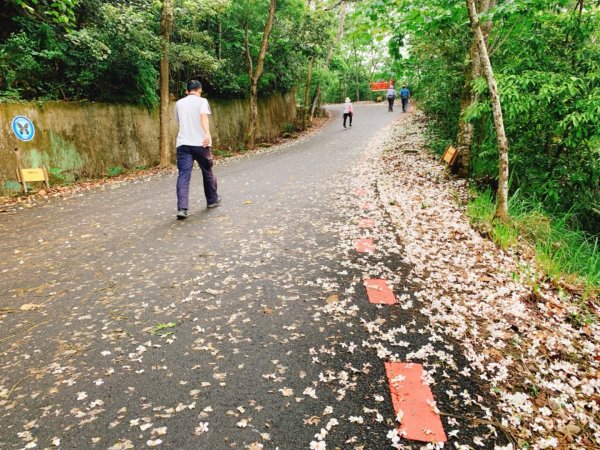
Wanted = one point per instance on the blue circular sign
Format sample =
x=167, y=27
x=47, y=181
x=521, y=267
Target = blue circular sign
x=23, y=128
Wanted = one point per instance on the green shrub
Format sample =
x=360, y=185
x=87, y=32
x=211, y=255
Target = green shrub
x=289, y=127
x=115, y=171
x=60, y=175
x=562, y=250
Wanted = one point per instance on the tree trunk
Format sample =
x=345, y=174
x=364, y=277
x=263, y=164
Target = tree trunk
x=466, y=130
x=307, y=93
x=252, y=108
x=502, y=194
x=373, y=63
x=166, y=26
x=252, y=116
x=356, y=74
x=338, y=36
x=220, y=42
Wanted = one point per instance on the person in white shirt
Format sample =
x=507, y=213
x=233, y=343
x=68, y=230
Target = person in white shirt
x=391, y=95
x=348, y=111
x=193, y=144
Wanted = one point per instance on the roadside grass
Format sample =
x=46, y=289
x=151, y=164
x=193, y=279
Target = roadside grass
x=222, y=153
x=565, y=254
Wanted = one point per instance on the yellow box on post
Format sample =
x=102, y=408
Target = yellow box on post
x=450, y=155
x=30, y=175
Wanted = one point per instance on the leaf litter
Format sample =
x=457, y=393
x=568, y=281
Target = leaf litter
x=460, y=313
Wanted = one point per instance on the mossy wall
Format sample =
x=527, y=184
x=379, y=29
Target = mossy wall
x=83, y=139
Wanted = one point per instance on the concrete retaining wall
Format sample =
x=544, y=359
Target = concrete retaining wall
x=82, y=139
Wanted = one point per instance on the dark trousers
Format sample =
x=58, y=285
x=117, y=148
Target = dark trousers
x=186, y=155
x=346, y=115
x=391, y=103
x=404, y=104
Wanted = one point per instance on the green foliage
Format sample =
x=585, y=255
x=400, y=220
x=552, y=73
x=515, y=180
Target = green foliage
x=222, y=153
x=562, y=251
x=110, y=51
x=58, y=174
x=289, y=127
x=546, y=59
x=115, y=171
x=60, y=12
x=11, y=186
x=113, y=60
x=159, y=330
x=361, y=57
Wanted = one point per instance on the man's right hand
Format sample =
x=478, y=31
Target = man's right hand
x=207, y=141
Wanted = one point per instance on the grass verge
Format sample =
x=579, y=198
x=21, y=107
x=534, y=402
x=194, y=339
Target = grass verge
x=565, y=254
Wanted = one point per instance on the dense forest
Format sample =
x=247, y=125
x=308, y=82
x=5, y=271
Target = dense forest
x=110, y=50
x=545, y=57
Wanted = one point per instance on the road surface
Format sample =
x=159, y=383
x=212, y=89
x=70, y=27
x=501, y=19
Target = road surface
x=124, y=328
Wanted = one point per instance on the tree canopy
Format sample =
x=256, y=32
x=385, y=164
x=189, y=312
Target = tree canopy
x=109, y=50
x=545, y=55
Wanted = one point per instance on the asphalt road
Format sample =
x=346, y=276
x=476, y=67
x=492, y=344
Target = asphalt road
x=208, y=333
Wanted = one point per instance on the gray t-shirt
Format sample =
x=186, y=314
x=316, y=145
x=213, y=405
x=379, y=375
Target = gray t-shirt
x=187, y=114
x=391, y=92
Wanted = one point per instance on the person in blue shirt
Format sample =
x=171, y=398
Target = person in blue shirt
x=404, y=96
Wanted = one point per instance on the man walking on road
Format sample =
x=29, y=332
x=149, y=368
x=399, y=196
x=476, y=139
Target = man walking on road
x=193, y=144
x=404, y=96
x=391, y=95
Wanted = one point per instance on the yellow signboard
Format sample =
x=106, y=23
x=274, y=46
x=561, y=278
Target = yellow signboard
x=30, y=175
x=450, y=155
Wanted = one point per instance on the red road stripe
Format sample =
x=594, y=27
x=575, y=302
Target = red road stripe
x=360, y=192
x=366, y=206
x=364, y=222
x=414, y=399
x=364, y=246
x=379, y=292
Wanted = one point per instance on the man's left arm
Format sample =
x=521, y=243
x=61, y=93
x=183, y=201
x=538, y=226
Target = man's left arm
x=207, y=142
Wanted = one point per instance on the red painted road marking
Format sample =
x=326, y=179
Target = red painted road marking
x=364, y=246
x=366, y=223
x=366, y=206
x=360, y=192
x=379, y=292
x=413, y=399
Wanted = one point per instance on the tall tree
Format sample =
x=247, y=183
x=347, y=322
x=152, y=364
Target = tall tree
x=166, y=27
x=502, y=141
x=356, y=72
x=305, y=114
x=313, y=38
x=338, y=36
x=470, y=96
x=254, y=73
